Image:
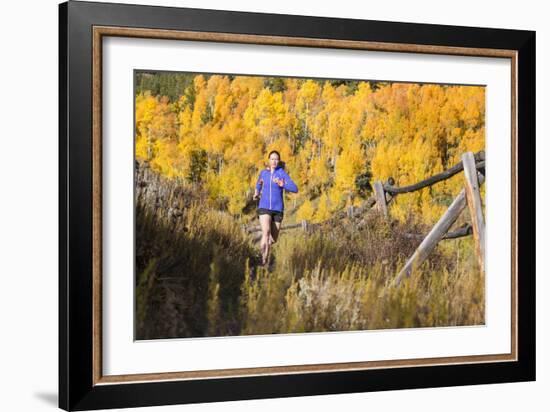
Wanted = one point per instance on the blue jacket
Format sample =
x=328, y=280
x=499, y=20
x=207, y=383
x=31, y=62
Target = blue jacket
x=271, y=193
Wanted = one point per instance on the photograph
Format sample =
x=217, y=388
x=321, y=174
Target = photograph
x=277, y=205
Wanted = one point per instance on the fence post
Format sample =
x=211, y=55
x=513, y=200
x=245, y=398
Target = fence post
x=473, y=199
x=435, y=235
x=304, y=225
x=350, y=212
x=380, y=195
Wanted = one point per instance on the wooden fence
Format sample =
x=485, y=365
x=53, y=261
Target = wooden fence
x=474, y=176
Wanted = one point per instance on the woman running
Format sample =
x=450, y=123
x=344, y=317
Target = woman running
x=270, y=187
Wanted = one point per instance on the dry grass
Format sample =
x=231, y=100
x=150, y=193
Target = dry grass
x=315, y=287
x=188, y=282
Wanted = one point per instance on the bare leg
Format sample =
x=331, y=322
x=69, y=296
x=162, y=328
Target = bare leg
x=265, y=224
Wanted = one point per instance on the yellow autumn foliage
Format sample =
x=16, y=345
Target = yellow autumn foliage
x=306, y=211
x=330, y=134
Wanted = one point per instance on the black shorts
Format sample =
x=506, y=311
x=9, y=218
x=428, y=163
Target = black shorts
x=275, y=214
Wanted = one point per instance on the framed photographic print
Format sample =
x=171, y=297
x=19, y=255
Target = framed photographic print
x=262, y=205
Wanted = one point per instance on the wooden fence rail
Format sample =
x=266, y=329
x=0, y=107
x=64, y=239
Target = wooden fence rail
x=466, y=230
x=479, y=159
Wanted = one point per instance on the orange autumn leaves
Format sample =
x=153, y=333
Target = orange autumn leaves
x=328, y=133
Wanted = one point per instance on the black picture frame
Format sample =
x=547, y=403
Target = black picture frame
x=78, y=389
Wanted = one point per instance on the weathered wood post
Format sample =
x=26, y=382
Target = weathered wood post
x=380, y=195
x=473, y=199
x=304, y=225
x=438, y=231
x=436, y=234
x=350, y=212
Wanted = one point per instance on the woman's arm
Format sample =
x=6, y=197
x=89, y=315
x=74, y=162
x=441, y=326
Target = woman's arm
x=259, y=184
x=289, y=185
